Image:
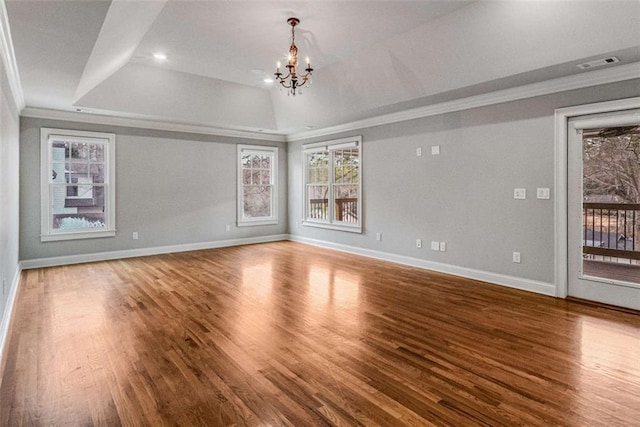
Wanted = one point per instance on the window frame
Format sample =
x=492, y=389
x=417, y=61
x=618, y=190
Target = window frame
x=331, y=147
x=47, y=232
x=241, y=221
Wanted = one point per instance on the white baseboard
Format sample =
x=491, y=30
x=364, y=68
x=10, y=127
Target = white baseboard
x=6, y=318
x=485, y=276
x=131, y=253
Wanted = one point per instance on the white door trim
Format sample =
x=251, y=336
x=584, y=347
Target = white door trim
x=562, y=116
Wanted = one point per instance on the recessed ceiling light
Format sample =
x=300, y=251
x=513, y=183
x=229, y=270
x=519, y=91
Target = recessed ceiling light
x=160, y=56
x=268, y=80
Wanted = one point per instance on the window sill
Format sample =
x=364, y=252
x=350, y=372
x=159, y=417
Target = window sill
x=77, y=235
x=338, y=227
x=257, y=222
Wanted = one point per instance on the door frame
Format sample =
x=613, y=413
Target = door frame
x=562, y=116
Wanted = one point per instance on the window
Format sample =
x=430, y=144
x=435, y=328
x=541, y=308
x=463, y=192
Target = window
x=77, y=184
x=333, y=185
x=257, y=191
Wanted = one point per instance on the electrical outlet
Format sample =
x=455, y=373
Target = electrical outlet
x=443, y=246
x=435, y=246
x=134, y=235
x=516, y=257
x=228, y=227
x=419, y=151
x=418, y=243
x=379, y=237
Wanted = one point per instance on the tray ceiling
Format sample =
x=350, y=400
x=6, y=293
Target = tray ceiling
x=370, y=57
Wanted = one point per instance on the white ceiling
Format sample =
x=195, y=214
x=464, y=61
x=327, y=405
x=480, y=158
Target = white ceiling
x=370, y=57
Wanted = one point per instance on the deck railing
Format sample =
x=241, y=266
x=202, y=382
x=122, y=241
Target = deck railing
x=346, y=209
x=611, y=230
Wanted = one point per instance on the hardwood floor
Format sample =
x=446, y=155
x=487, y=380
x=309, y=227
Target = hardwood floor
x=290, y=334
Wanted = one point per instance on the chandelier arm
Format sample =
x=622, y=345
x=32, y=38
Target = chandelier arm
x=280, y=78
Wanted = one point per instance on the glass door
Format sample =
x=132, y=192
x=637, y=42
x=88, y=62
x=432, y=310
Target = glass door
x=604, y=208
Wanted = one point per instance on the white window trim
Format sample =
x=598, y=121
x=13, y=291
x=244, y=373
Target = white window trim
x=337, y=144
x=47, y=233
x=273, y=219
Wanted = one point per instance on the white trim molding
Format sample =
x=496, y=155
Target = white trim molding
x=562, y=117
x=146, y=122
x=562, y=84
x=484, y=276
x=330, y=148
x=48, y=138
x=256, y=150
x=132, y=253
x=5, y=324
x=9, y=58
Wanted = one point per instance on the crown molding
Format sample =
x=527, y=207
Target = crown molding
x=578, y=81
x=562, y=84
x=9, y=58
x=146, y=123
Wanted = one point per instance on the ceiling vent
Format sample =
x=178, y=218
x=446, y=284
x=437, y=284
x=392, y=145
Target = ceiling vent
x=598, y=63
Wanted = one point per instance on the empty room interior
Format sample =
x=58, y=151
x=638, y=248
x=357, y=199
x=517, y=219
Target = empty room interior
x=308, y=213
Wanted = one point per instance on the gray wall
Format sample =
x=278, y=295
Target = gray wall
x=464, y=196
x=9, y=155
x=172, y=188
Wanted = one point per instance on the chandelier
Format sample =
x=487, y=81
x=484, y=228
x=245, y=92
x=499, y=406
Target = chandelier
x=293, y=81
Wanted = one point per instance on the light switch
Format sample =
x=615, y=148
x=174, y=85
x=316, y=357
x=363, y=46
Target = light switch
x=435, y=150
x=519, y=193
x=543, y=193
x=435, y=246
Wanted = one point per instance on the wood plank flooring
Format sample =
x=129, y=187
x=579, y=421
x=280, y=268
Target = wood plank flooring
x=290, y=334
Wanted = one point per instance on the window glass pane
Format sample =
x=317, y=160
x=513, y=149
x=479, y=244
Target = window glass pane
x=266, y=162
x=57, y=172
x=59, y=152
x=255, y=161
x=246, y=161
x=266, y=177
x=312, y=175
x=257, y=201
x=75, y=170
x=77, y=207
x=79, y=151
x=71, y=222
x=246, y=176
x=318, y=201
x=255, y=176
x=96, y=172
x=318, y=167
x=346, y=203
x=96, y=152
